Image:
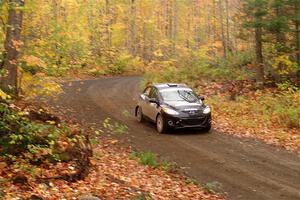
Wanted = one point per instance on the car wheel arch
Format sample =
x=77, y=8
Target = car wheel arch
x=157, y=116
x=136, y=109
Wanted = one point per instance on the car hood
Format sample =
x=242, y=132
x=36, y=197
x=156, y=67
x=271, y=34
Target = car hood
x=184, y=105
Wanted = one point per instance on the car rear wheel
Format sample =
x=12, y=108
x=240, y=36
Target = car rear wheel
x=161, y=125
x=139, y=114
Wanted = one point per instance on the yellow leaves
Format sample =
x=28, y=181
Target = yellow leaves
x=34, y=61
x=4, y=96
x=38, y=85
x=158, y=53
x=283, y=65
x=218, y=44
x=23, y=113
x=202, y=53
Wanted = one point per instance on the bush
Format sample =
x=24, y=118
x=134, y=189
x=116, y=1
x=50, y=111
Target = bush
x=264, y=108
x=118, y=68
x=201, y=65
x=39, y=86
x=287, y=108
x=125, y=63
x=56, y=71
x=18, y=135
x=32, y=64
x=97, y=72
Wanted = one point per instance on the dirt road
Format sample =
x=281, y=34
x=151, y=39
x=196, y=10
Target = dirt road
x=246, y=169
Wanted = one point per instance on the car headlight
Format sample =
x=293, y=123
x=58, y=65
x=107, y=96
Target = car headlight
x=206, y=110
x=170, y=111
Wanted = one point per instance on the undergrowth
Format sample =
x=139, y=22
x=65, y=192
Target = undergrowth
x=37, y=141
x=263, y=108
x=19, y=135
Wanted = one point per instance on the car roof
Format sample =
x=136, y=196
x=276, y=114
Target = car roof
x=160, y=86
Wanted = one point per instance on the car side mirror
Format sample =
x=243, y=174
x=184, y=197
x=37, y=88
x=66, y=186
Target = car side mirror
x=153, y=100
x=143, y=96
x=201, y=98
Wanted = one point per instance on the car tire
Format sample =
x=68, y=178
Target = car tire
x=161, y=125
x=139, y=114
x=207, y=128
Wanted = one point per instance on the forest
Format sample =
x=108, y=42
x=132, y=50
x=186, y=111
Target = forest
x=242, y=55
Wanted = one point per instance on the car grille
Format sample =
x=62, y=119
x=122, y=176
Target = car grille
x=194, y=121
x=193, y=112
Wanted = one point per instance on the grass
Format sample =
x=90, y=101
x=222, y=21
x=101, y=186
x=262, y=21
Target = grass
x=142, y=197
x=150, y=159
x=146, y=158
x=125, y=113
x=192, y=181
x=168, y=166
x=114, y=127
x=212, y=187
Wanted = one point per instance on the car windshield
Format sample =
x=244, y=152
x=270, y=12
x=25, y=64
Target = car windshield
x=178, y=95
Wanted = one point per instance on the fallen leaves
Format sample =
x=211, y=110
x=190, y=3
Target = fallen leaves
x=115, y=175
x=243, y=110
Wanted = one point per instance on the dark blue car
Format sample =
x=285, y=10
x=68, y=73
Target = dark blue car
x=173, y=106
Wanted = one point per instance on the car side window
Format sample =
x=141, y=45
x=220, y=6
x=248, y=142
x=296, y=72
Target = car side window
x=147, y=91
x=153, y=93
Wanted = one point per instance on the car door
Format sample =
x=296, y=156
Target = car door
x=144, y=99
x=152, y=107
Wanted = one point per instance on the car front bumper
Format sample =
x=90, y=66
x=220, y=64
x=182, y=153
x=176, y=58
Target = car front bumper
x=201, y=121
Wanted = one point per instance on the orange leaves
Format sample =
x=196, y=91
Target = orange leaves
x=16, y=44
x=34, y=61
x=114, y=176
x=268, y=114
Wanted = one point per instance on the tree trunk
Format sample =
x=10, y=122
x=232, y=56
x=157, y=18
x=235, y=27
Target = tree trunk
x=12, y=46
x=108, y=22
x=151, y=45
x=55, y=10
x=297, y=39
x=144, y=43
x=188, y=31
x=132, y=29
x=297, y=36
x=222, y=29
x=214, y=19
x=280, y=36
x=259, y=55
x=228, y=46
x=174, y=27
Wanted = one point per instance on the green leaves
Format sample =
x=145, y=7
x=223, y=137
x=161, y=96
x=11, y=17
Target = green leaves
x=18, y=135
x=146, y=158
x=114, y=127
x=255, y=11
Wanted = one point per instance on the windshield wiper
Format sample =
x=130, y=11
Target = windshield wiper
x=186, y=98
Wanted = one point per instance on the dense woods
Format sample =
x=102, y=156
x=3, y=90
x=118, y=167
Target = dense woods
x=59, y=35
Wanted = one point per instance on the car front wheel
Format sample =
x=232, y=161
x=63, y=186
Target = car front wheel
x=207, y=128
x=139, y=114
x=161, y=125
